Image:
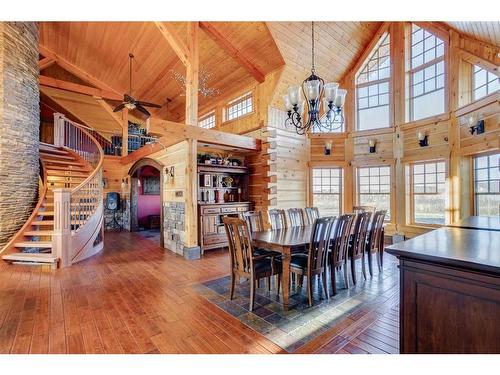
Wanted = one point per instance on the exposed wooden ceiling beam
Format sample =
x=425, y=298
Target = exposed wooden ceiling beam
x=192, y=74
x=116, y=117
x=232, y=50
x=75, y=70
x=476, y=60
x=175, y=41
x=80, y=89
x=45, y=62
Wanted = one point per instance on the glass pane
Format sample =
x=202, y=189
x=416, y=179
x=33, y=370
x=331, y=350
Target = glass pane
x=429, y=209
x=328, y=204
x=428, y=105
x=379, y=201
x=488, y=205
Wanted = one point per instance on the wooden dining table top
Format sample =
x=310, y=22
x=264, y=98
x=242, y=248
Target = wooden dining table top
x=287, y=237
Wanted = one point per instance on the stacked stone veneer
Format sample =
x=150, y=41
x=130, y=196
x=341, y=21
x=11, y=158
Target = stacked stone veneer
x=174, y=214
x=19, y=125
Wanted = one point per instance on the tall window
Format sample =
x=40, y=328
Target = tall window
x=484, y=83
x=327, y=190
x=372, y=88
x=207, y=121
x=427, y=182
x=487, y=185
x=374, y=187
x=426, y=75
x=239, y=107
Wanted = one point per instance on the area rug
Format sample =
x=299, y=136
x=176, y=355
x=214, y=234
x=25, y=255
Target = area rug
x=300, y=324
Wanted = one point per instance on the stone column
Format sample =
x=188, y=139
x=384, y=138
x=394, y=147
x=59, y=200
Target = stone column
x=19, y=125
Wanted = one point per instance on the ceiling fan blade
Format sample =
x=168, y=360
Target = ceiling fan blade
x=147, y=104
x=128, y=98
x=119, y=107
x=140, y=108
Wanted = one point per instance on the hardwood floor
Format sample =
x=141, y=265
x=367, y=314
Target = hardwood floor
x=137, y=298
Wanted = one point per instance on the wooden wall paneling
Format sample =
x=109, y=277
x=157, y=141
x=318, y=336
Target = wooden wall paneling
x=113, y=173
x=317, y=147
x=384, y=148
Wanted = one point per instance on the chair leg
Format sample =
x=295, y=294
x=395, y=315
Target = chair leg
x=310, y=290
x=353, y=270
x=333, y=280
x=363, y=266
x=258, y=283
x=233, y=281
x=370, y=262
x=279, y=283
x=269, y=283
x=293, y=278
x=301, y=280
x=380, y=259
x=252, y=292
x=325, y=286
x=346, y=278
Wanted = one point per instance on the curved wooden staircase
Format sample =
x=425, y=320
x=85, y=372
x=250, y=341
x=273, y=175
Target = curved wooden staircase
x=66, y=224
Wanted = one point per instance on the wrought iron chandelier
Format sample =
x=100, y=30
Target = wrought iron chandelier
x=315, y=92
x=203, y=79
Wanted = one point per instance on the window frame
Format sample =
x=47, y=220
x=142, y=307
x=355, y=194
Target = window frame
x=411, y=193
x=388, y=218
x=387, y=80
x=341, y=184
x=473, y=179
x=236, y=101
x=410, y=71
x=211, y=113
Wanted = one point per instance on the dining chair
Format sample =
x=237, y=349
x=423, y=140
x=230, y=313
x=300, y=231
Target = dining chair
x=314, y=263
x=244, y=262
x=312, y=214
x=358, y=243
x=375, y=240
x=359, y=209
x=296, y=216
x=277, y=218
x=339, y=243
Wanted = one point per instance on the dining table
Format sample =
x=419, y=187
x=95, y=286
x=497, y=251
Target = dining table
x=282, y=241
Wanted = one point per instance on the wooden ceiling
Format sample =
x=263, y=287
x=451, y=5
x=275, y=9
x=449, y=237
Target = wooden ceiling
x=337, y=47
x=101, y=50
x=488, y=32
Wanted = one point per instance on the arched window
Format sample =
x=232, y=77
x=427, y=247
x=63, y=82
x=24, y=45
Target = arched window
x=372, y=88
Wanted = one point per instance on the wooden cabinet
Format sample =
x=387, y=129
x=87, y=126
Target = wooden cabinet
x=211, y=228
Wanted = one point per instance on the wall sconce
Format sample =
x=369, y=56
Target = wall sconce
x=372, y=143
x=475, y=125
x=423, y=140
x=169, y=173
x=328, y=148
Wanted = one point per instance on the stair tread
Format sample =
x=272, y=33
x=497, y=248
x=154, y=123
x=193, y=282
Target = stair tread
x=42, y=222
x=40, y=244
x=46, y=213
x=31, y=257
x=38, y=233
x=64, y=162
x=66, y=168
x=46, y=155
x=68, y=173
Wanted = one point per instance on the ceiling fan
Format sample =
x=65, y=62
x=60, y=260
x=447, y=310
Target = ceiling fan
x=129, y=102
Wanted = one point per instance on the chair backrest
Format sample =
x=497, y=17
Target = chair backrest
x=254, y=220
x=378, y=226
x=296, y=216
x=360, y=233
x=312, y=214
x=339, y=239
x=318, y=245
x=240, y=244
x=359, y=209
x=277, y=218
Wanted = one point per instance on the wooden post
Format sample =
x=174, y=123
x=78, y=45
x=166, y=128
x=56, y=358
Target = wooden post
x=58, y=129
x=124, y=132
x=61, y=239
x=191, y=199
x=192, y=71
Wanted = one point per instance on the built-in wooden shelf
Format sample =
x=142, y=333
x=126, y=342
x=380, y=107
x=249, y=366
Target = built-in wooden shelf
x=214, y=168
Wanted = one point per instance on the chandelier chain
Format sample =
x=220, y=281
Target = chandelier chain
x=312, y=46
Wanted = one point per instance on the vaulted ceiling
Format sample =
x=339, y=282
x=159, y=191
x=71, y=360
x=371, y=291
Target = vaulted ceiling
x=100, y=50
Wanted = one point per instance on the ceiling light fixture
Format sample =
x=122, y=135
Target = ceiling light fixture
x=315, y=91
x=203, y=78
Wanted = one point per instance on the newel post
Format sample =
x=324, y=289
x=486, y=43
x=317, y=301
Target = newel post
x=58, y=129
x=61, y=240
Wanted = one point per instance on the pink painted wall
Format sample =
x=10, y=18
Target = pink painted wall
x=147, y=204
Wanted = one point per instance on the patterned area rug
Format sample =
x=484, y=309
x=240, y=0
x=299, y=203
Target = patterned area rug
x=300, y=324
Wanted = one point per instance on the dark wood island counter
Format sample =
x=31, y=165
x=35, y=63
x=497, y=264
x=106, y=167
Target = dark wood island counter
x=450, y=291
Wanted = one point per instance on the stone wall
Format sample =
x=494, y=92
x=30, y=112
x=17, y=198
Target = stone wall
x=19, y=125
x=174, y=228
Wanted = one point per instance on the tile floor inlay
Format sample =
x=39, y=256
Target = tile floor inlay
x=293, y=328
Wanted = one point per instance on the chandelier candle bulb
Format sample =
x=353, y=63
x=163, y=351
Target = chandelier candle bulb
x=340, y=98
x=294, y=95
x=288, y=103
x=312, y=88
x=331, y=92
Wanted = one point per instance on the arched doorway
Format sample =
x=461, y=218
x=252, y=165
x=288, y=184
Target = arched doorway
x=146, y=197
